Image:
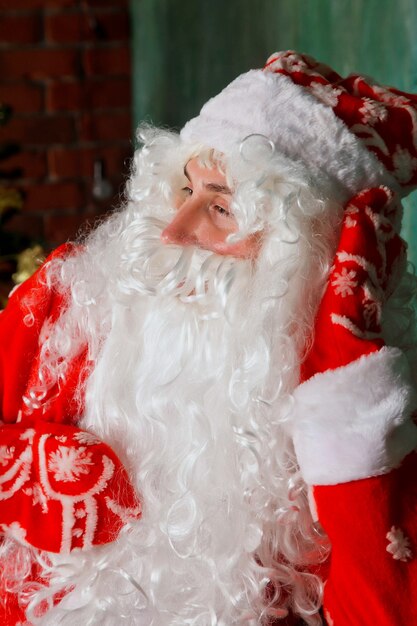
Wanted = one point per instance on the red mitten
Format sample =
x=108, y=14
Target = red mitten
x=352, y=414
x=353, y=427
x=367, y=262
x=62, y=488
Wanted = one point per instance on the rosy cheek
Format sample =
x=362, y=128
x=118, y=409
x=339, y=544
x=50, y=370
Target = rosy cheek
x=247, y=249
x=178, y=200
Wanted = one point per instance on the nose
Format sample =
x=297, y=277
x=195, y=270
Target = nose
x=183, y=229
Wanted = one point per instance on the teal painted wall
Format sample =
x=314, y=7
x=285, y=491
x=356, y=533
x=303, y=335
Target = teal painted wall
x=185, y=51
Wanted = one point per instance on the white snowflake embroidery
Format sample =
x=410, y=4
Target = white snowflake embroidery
x=61, y=438
x=389, y=97
x=27, y=435
x=68, y=463
x=351, y=209
x=373, y=112
x=86, y=438
x=296, y=66
x=14, y=530
x=6, y=454
x=326, y=93
x=125, y=513
x=372, y=310
x=404, y=164
x=38, y=496
x=350, y=222
x=399, y=545
x=290, y=62
x=344, y=282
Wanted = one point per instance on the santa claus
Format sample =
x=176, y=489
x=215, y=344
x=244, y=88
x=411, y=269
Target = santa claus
x=207, y=402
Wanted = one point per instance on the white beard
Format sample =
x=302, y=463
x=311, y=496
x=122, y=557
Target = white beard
x=182, y=391
x=161, y=391
x=195, y=359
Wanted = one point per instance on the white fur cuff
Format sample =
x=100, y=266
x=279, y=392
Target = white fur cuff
x=354, y=422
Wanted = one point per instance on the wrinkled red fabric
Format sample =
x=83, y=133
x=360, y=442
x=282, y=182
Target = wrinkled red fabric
x=383, y=118
x=60, y=487
x=29, y=307
x=369, y=258
x=366, y=584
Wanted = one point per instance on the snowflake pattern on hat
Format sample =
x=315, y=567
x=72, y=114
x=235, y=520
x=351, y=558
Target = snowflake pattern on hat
x=372, y=111
x=404, y=164
x=326, y=93
x=383, y=118
x=364, y=274
x=366, y=264
x=344, y=282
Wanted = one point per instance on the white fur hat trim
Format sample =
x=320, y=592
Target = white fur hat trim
x=301, y=127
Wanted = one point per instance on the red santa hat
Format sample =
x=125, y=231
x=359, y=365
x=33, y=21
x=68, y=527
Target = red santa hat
x=350, y=133
x=358, y=141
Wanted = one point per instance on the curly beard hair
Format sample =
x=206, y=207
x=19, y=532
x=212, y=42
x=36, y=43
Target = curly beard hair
x=195, y=359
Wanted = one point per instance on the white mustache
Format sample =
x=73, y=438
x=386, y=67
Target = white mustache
x=191, y=274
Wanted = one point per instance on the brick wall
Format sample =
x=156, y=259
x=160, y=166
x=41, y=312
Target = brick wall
x=65, y=70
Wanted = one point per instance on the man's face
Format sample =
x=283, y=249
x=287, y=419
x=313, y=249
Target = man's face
x=204, y=217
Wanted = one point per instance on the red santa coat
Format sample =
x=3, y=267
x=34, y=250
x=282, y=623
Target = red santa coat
x=363, y=469
x=60, y=488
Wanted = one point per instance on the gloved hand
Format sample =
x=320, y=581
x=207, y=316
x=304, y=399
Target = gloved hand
x=61, y=488
x=352, y=412
x=369, y=259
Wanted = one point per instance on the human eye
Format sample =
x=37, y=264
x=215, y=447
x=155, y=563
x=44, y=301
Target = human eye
x=223, y=211
x=222, y=217
x=187, y=190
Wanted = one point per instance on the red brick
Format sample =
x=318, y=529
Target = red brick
x=113, y=27
x=81, y=27
x=117, y=160
x=23, y=98
x=20, y=29
x=61, y=228
x=102, y=4
x=31, y=163
x=100, y=94
x=105, y=126
x=60, y=4
x=107, y=61
x=68, y=96
x=52, y=196
x=74, y=163
x=64, y=28
x=38, y=63
x=111, y=93
x=66, y=163
x=36, y=4
x=38, y=130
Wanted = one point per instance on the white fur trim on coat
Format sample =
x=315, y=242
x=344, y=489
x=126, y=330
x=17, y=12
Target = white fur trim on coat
x=301, y=127
x=355, y=421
